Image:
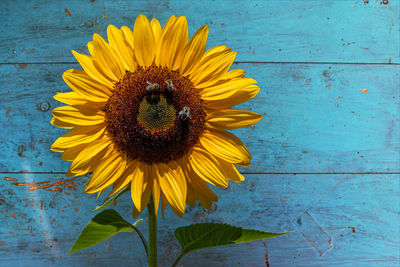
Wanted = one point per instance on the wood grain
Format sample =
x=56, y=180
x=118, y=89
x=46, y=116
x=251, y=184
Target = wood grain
x=329, y=75
x=316, y=119
x=39, y=226
x=279, y=31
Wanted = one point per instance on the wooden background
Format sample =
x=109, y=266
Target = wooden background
x=326, y=157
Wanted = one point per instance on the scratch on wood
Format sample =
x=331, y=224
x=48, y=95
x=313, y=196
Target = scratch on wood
x=313, y=233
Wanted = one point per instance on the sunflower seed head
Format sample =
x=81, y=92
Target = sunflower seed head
x=185, y=113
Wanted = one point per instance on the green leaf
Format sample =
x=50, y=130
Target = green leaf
x=206, y=235
x=114, y=197
x=104, y=225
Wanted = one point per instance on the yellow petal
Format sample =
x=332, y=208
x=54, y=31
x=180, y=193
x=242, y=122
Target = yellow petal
x=231, y=171
x=174, y=43
x=106, y=173
x=121, y=46
x=139, y=183
x=89, y=157
x=215, y=51
x=128, y=35
x=164, y=203
x=156, y=27
x=225, y=89
x=207, y=167
x=198, y=189
x=156, y=190
x=225, y=146
x=178, y=43
x=125, y=178
x=231, y=118
x=90, y=47
x=173, y=184
x=191, y=197
x=194, y=50
x=78, y=115
x=211, y=70
x=61, y=124
x=106, y=59
x=79, y=135
x=71, y=153
x=242, y=95
x=144, y=44
x=87, y=64
x=238, y=73
x=160, y=43
x=83, y=85
x=72, y=98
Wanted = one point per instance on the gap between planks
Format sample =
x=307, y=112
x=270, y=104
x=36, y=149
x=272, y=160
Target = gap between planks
x=236, y=62
x=269, y=173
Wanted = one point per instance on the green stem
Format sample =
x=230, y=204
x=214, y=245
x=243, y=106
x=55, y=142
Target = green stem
x=177, y=260
x=143, y=240
x=152, y=234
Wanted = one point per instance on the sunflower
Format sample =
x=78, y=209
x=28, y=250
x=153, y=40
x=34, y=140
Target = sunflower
x=150, y=109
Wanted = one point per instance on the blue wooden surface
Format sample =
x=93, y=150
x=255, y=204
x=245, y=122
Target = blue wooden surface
x=326, y=158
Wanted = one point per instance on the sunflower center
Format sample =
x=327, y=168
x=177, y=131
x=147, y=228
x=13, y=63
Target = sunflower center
x=155, y=115
x=156, y=112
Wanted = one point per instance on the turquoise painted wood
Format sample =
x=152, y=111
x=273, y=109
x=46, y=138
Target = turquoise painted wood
x=289, y=31
x=356, y=212
x=316, y=119
x=326, y=156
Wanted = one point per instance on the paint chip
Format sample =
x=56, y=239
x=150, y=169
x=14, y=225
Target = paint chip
x=68, y=13
x=364, y=90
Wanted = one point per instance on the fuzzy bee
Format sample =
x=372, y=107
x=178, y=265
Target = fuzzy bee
x=152, y=86
x=185, y=113
x=170, y=85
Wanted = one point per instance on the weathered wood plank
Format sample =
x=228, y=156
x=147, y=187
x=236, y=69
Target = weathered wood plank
x=316, y=119
x=358, y=213
x=279, y=31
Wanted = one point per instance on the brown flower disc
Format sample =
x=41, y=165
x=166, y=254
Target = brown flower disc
x=144, y=120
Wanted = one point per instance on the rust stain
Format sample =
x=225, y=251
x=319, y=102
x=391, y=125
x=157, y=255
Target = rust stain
x=10, y=179
x=25, y=171
x=40, y=141
x=23, y=66
x=352, y=229
x=364, y=90
x=29, y=202
x=57, y=189
x=266, y=254
x=385, y=2
x=21, y=149
x=283, y=201
x=8, y=111
x=68, y=13
x=28, y=184
x=53, y=187
x=28, y=228
x=13, y=215
x=2, y=243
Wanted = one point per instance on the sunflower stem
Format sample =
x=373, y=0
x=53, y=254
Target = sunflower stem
x=152, y=259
